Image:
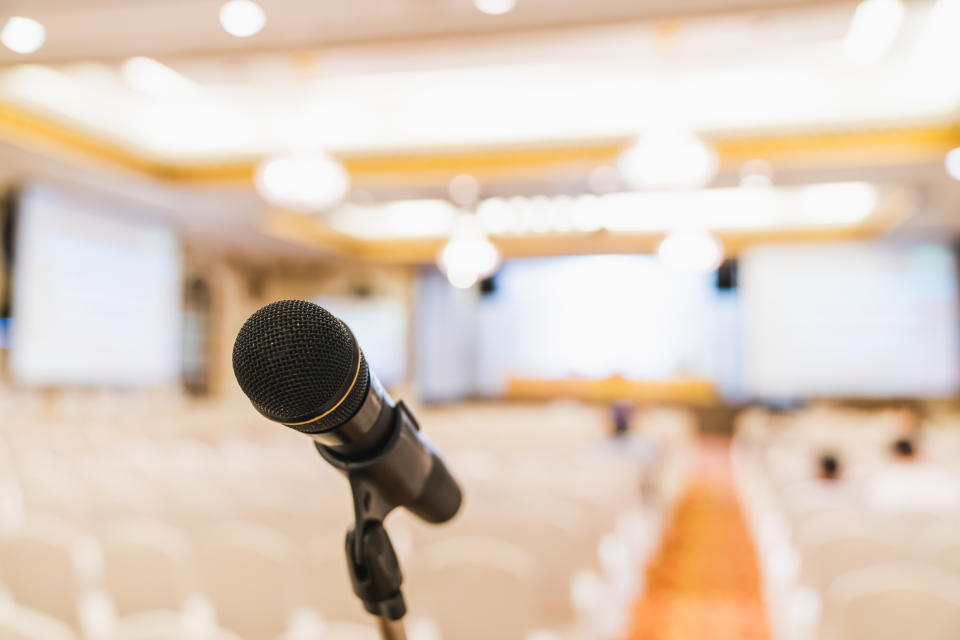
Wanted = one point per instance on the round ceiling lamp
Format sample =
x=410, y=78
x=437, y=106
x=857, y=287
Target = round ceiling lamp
x=23, y=35
x=303, y=181
x=952, y=163
x=468, y=256
x=697, y=252
x=756, y=173
x=668, y=157
x=464, y=189
x=495, y=7
x=242, y=18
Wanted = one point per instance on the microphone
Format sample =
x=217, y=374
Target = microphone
x=302, y=367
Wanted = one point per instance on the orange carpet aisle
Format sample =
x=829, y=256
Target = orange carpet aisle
x=704, y=585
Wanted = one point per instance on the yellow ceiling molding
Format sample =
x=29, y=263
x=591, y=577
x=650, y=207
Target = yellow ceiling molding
x=844, y=148
x=424, y=168
x=497, y=164
x=801, y=149
x=36, y=133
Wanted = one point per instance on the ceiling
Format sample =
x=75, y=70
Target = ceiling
x=104, y=29
x=410, y=92
x=733, y=75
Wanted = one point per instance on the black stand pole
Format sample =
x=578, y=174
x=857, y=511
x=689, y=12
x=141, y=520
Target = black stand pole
x=372, y=562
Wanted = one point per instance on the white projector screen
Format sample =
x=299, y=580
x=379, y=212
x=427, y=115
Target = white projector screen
x=96, y=294
x=849, y=321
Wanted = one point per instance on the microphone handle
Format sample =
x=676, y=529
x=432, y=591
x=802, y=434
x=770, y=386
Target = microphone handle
x=405, y=471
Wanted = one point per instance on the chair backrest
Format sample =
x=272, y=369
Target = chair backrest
x=43, y=565
x=166, y=625
x=148, y=566
x=892, y=602
x=20, y=623
x=826, y=560
x=816, y=526
x=550, y=530
x=476, y=588
x=298, y=522
x=944, y=553
x=251, y=575
x=339, y=631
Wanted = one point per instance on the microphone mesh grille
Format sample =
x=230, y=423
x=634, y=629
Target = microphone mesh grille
x=293, y=357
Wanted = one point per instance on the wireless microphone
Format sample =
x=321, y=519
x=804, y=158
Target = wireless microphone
x=302, y=367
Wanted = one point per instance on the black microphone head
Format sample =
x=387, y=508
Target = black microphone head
x=300, y=365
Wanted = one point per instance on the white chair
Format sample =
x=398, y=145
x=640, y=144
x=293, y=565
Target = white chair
x=337, y=631
x=20, y=623
x=168, y=625
x=893, y=602
x=826, y=560
x=946, y=555
x=11, y=496
x=817, y=526
x=298, y=522
x=50, y=484
x=251, y=574
x=48, y=565
x=551, y=531
x=306, y=625
x=600, y=613
x=476, y=588
x=148, y=566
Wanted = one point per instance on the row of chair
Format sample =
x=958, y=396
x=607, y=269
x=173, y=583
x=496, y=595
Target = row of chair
x=863, y=550
x=102, y=526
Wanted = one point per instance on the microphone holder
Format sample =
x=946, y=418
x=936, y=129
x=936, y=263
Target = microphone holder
x=371, y=560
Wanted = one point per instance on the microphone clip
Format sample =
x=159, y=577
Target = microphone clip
x=371, y=559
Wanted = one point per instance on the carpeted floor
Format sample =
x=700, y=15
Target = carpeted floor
x=704, y=585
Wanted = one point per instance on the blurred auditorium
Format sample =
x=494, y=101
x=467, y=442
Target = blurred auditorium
x=672, y=288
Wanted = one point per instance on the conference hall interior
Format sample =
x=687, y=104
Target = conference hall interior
x=671, y=289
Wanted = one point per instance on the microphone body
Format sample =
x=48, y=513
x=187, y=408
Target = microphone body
x=393, y=455
x=301, y=366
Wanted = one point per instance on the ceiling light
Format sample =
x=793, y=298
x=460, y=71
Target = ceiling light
x=562, y=210
x=840, y=204
x=697, y=252
x=242, y=18
x=837, y=203
x=952, y=163
x=495, y=7
x=469, y=255
x=756, y=173
x=668, y=157
x=584, y=216
x=23, y=35
x=152, y=78
x=396, y=219
x=496, y=215
x=464, y=189
x=873, y=30
x=302, y=181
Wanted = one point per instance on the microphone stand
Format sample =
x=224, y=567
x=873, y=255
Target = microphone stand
x=391, y=629
x=372, y=562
